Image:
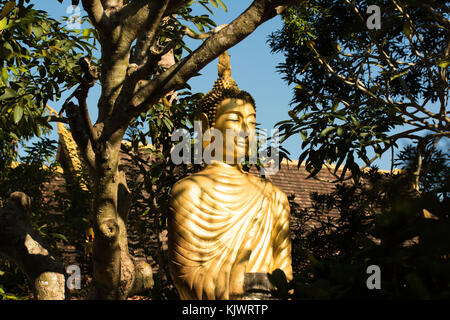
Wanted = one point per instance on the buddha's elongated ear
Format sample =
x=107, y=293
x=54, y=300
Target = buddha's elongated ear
x=203, y=118
x=204, y=122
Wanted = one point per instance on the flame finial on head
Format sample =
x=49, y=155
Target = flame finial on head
x=224, y=66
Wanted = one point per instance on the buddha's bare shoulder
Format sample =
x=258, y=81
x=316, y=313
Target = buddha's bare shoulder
x=190, y=186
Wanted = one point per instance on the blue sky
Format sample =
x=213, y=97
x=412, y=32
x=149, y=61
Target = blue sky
x=253, y=68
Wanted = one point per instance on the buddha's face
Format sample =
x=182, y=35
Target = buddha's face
x=236, y=120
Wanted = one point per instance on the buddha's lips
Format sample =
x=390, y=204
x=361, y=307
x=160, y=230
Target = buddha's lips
x=242, y=143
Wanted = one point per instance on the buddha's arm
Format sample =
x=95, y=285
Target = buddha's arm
x=192, y=243
x=182, y=205
x=282, y=237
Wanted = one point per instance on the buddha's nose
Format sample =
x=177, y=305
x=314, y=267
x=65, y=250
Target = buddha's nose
x=244, y=127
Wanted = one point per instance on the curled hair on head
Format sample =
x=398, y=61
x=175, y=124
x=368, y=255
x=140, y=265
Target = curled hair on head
x=209, y=107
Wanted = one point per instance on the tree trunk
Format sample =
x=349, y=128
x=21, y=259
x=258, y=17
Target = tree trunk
x=22, y=245
x=116, y=276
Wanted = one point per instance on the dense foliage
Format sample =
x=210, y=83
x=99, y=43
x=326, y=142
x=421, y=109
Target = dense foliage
x=356, y=83
x=359, y=90
x=38, y=61
x=379, y=221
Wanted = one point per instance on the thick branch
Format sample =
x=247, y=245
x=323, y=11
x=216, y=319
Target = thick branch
x=81, y=93
x=259, y=12
x=147, y=37
x=95, y=12
x=54, y=118
x=81, y=96
x=152, y=60
x=141, y=16
x=145, y=58
x=22, y=244
x=128, y=22
x=80, y=135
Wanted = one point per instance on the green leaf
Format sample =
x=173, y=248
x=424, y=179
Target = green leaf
x=86, y=32
x=326, y=131
x=214, y=3
x=377, y=150
x=338, y=164
x=29, y=29
x=38, y=31
x=374, y=88
x=340, y=116
x=8, y=50
x=407, y=29
x=364, y=134
x=224, y=7
x=4, y=75
x=443, y=63
x=302, y=157
x=168, y=123
x=399, y=74
x=9, y=93
x=303, y=135
x=4, y=24
x=206, y=7
x=356, y=172
x=59, y=236
x=355, y=122
x=335, y=105
x=18, y=113
x=199, y=27
x=300, y=88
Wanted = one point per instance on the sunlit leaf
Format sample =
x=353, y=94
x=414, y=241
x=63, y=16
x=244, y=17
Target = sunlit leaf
x=326, y=131
x=9, y=93
x=407, y=29
x=224, y=7
x=4, y=24
x=4, y=75
x=443, y=63
x=399, y=75
x=18, y=113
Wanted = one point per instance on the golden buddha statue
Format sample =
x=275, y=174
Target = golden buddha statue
x=224, y=223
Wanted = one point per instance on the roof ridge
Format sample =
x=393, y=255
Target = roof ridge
x=332, y=165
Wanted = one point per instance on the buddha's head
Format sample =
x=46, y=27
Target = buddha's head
x=230, y=111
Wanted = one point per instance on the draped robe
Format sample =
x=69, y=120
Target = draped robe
x=223, y=223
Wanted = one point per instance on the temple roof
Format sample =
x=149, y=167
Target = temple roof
x=291, y=178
